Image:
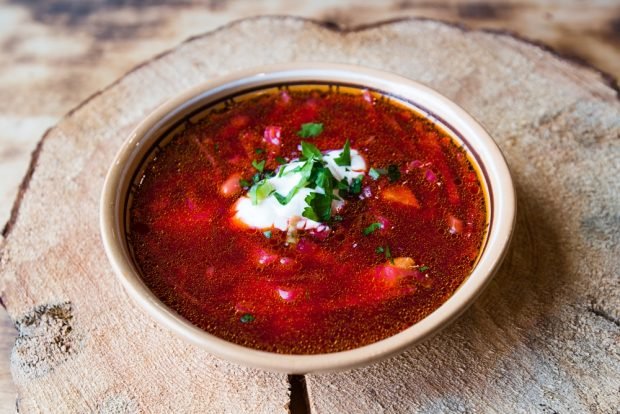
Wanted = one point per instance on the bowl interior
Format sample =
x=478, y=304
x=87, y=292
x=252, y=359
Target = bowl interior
x=166, y=121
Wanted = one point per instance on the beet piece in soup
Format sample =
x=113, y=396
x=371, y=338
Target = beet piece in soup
x=307, y=219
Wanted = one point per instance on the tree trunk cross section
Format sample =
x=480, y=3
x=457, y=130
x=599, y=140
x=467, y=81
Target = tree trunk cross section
x=544, y=337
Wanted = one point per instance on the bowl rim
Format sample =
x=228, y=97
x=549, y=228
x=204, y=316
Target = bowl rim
x=499, y=184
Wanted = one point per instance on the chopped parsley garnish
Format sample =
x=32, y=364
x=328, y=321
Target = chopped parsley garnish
x=393, y=172
x=424, y=268
x=356, y=186
x=267, y=234
x=244, y=183
x=280, y=160
x=310, y=129
x=375, y=173
x=259, y=165
x=344, y=159
x=370, y=229
x=314, y=174
x=320, y=205
x=343, y=185
x=348, y=190
x=247, y=318
x=337, y=218
x=386, y=252
x=306, y=171
x=260, y=191
x=324, y=179
x=259, y=150
x=309, y=151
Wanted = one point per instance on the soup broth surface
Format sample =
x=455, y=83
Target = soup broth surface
x=400, y=242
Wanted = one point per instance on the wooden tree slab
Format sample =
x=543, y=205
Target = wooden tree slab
x=545, y=337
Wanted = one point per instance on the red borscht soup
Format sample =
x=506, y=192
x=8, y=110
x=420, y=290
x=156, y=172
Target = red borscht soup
x=306, y=219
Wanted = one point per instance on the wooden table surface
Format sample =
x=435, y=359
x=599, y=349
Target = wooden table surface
x=57, y=53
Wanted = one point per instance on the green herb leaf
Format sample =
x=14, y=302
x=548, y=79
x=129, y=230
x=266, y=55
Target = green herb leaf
x=393, y=173
x=247, y=318
x=309, y=151
x=244, y=183
x=356, y=186
x=320, y=203
x=347, y=190
x=320, y=207
x=344, y=159
x=280, y=160
x=306, y=171
x=386, y=251
x=343, y=184
x=375, y=173
x=388, y=254
x=259, y=165
x=267, y=234
x=423, y=268
x=370, y=229
x=324, y=179
x=309, y=212
x=260, y=191
x=310, y=129
x=259, y=150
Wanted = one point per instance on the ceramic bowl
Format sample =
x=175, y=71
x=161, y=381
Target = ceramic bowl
x=461, y=126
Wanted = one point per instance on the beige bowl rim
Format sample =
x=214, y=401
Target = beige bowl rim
x=499, y=184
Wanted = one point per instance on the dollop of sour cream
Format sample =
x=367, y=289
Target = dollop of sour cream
x=270, y=213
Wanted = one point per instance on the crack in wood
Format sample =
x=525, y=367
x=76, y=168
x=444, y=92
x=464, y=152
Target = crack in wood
x=300, y=402
x=603, y=314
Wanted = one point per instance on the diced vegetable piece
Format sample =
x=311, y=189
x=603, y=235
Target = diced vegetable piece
x=400, y=194
x=320, y=233
x=265, y=258
x=231, y=186
x=285, y=97
x=289, y=294
x=272, y=135
x=430, y=176
x=292, y=236
x=404, y=262
x=456, y=225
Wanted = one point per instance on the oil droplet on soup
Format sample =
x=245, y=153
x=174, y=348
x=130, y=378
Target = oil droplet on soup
x=363, y=217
